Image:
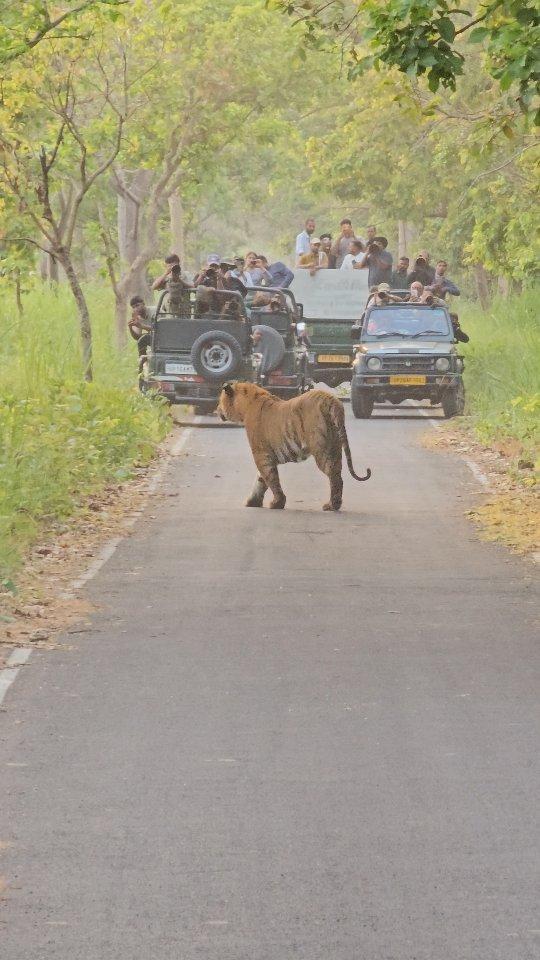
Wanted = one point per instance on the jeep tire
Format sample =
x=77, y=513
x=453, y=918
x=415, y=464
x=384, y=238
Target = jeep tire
x=453, y=401
x=216, y=356
x=361, y=403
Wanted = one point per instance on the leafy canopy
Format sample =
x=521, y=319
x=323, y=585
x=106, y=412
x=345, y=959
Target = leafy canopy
x=431, y=37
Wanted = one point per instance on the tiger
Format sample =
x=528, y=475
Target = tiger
x=289, y=431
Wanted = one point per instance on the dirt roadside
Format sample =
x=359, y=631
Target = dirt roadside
x=46, y=600
x=508, y=510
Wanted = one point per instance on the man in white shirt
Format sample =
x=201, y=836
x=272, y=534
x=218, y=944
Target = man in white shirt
x=303, y=239
x=352, y=259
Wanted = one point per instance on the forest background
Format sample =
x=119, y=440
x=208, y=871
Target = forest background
x=130, y=128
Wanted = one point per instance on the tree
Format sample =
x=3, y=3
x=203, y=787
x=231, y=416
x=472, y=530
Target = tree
x=26, y=23
x=60, y=131
x=425, y=37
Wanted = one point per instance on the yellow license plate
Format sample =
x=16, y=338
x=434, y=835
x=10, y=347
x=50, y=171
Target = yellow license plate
x=408, y=381
x=333, y=358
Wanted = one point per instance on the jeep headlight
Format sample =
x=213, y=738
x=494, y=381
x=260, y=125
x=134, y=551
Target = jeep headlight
x=442, y=364
x=374, y=363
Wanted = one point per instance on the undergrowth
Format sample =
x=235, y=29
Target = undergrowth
x=61, y=438
x=502, y=375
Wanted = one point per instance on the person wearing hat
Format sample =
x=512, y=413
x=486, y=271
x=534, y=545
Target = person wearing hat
x=422, y=272
x=382, y=296
x=315, y=260
x=210, y=275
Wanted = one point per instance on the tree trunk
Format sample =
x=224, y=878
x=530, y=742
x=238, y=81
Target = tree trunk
x=120, y=315
x=405, y=238
x=85, y=325
x=176, y=214
x=18, y=296
x=503, y=287
x=130, y=198
x=482, y=285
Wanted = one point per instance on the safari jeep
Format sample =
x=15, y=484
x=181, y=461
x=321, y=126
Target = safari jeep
x=406, y=351
x=192, y=355
x=332, y=300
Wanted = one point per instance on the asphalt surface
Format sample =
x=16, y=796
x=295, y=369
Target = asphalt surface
x=286, y=734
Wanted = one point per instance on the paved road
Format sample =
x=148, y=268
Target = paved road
x=287, y=734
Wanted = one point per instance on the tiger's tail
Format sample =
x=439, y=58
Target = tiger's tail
x=337, y=414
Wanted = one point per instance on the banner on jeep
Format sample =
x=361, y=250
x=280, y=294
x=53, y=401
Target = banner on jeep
x=331, y=294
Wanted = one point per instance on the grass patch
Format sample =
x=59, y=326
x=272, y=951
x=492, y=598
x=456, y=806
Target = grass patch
x=60, y=438
x=502, y=376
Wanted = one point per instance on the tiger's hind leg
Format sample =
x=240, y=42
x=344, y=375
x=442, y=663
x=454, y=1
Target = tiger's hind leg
x=331, y=466
x=257, y=496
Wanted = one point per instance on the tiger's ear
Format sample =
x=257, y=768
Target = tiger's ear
x=229, y=389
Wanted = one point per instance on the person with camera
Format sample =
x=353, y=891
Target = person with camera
x=211, y=275
x=173, y=265
x=421, y=272
x=441, y=284
x=378, y=261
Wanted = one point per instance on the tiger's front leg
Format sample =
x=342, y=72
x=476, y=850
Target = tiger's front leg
x=270, y=477
x=257, y=496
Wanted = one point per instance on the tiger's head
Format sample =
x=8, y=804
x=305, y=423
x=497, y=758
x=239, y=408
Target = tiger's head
x=235, y=399
x=227, y=408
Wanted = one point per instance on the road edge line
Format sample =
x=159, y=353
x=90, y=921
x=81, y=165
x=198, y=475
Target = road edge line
x=20, y=655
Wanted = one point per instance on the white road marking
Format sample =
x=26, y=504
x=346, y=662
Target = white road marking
x=21, y=655
x=473, y=467
x=14, y=662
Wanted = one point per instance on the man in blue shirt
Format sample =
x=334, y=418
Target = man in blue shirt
x=280, y=274
x=303, y=239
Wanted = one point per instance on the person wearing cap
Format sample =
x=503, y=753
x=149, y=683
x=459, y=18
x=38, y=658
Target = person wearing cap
x=382, y=296
x=315, y=260
x=237, y=271
x=421, y=271
x=210, y=275
x=353, y=259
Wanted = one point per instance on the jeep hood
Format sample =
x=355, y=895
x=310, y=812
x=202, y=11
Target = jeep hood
x=400, y=345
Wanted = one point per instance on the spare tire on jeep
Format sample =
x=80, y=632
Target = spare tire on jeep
x=216, y=355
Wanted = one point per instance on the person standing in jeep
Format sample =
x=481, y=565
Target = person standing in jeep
x=378, y=261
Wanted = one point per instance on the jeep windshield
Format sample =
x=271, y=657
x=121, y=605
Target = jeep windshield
x=408, y=321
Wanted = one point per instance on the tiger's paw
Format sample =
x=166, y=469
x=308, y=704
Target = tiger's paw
x=332, y=505
x=254, y=502
x=278, y=504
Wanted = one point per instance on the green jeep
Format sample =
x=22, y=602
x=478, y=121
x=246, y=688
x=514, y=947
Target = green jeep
x=406, y=351
x=332, y=301
x=194, y=351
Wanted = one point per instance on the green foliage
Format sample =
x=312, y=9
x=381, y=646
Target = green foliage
x=502, y=375
x=26, y=23
x=424, y=37
x=61, y=438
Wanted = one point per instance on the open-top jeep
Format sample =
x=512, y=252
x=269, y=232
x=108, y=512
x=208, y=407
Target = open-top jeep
x=217, y=336
x=332, y=301
x=406, y=351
